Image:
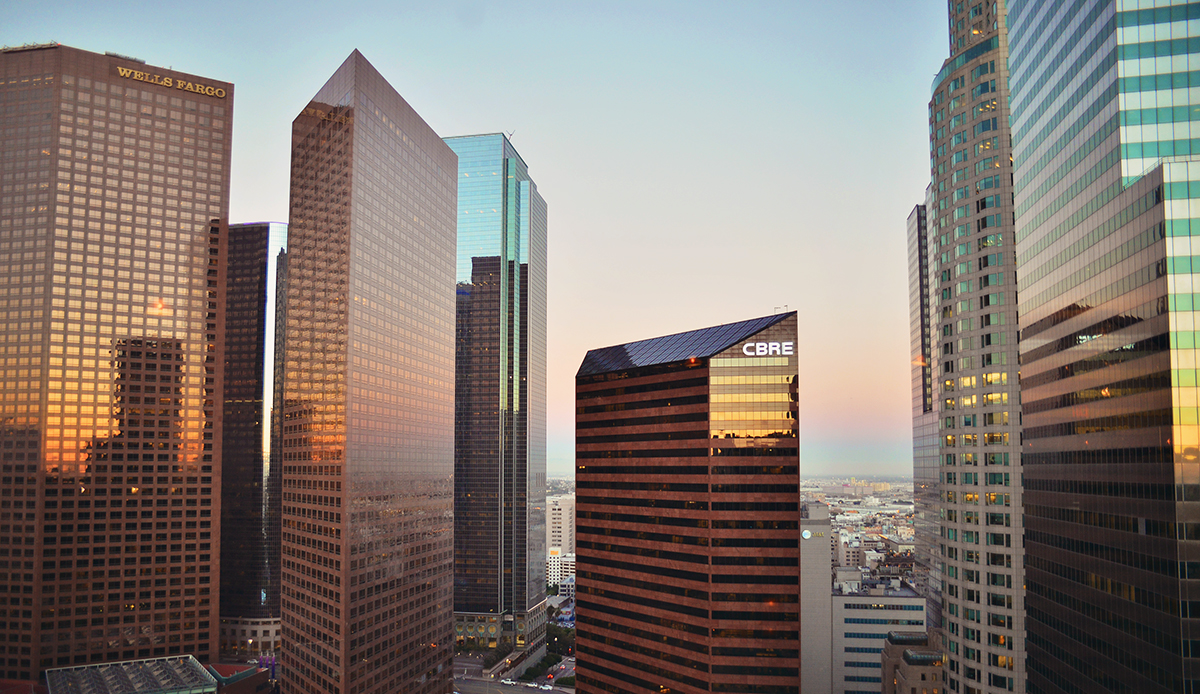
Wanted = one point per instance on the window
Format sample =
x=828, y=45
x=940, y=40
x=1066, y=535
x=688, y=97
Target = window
x=983, y=126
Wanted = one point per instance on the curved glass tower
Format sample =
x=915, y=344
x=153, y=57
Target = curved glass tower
x=965, y=278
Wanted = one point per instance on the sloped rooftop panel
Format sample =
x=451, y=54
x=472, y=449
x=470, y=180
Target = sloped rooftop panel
x=171, y=675
x=701, y=344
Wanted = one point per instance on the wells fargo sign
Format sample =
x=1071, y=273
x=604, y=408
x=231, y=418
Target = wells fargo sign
x=184, y=85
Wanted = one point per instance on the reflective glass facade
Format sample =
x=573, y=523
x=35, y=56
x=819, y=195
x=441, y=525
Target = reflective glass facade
x=688, y=518
x=926, y=445
x=975, y=589
x=366, y=416
x=1102, y=112
x=113, y=199
x=249, y=523
x=500, y=398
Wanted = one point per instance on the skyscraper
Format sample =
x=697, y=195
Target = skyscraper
x=500, y=399
x=366, y=417
x=115, y=180
x=688, y=535
x=1107, y=181
x=927, y=456
x=249, y=514
x=964, y=340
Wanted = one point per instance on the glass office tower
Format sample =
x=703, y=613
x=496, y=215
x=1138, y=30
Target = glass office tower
x=115, y=181
x=366, y=420
x=688, y=516
x=927, y=502
x=500, y=399
x=964, y=337
x=249, y=514
x=1107, y=170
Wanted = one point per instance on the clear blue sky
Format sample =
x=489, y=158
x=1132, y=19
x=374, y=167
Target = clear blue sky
x=703, y=162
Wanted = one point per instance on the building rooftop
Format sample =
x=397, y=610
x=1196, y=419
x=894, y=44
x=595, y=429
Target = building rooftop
x=698, y=344
x=172, y=675
x=877, y=588
x=908, y=638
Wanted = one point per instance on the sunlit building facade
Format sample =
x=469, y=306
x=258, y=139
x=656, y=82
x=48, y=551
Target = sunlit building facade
x=688, y=512
x=963, y=299
x=1107, y=194
x=366, y=420
x=113, y=240
x=249, y=513
x=500, y=399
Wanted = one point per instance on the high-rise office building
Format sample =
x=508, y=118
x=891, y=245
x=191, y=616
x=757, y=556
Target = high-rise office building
x=964, y=340
x=1107, y=183
x=688, y=508
x=115, y=180
x=366, y=421
x=249, y=514
x=927, y=501
x=500, y=399
x=560, y=522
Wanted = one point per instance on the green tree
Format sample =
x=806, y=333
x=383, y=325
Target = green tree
x=560, y=640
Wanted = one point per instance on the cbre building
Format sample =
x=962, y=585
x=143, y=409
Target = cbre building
x=688, y=515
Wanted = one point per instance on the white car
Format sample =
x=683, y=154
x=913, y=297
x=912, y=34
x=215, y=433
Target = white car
x=507, y=682
x=546, y=688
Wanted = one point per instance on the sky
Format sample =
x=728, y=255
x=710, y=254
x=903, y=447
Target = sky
x=702, y=162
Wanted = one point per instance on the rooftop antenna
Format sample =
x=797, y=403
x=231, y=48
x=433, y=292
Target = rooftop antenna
x=511, y=133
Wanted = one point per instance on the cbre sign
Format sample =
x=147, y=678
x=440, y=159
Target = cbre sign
x=763, y=349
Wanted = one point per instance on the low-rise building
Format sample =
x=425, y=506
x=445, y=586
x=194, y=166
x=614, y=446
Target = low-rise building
x=559, y=566
x=912, y=664
x=863, y=614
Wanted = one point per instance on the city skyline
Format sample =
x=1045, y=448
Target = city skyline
x=622, y=109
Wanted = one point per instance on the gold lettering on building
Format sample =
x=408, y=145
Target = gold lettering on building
x=130, y=73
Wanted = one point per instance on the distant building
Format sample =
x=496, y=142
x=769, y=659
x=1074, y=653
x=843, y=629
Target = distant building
x=559, y=566
x=560, y=522
x=815, y=603
x=911, y=664
x=687, y=471
x=863, y=615
x=249, y=513
x=566, y=589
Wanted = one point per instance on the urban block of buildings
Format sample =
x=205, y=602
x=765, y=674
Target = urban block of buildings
x=1078, y=576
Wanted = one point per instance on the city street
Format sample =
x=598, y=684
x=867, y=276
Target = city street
x=478, y=686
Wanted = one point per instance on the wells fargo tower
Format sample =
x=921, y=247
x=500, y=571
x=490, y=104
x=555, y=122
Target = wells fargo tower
x=115, y=180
